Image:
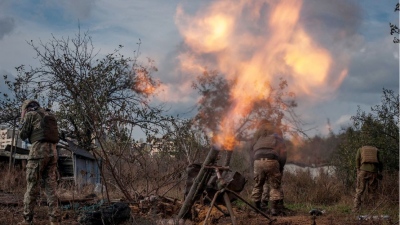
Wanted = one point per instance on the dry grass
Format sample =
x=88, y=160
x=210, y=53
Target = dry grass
x=301, y=187
x=13, y=181
x=302, y=193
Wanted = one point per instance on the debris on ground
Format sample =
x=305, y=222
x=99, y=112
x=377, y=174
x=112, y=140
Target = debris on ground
x=118, y=210
x=8, y=199
x=115, y=213
x=316, y=212
x=375, y=217
x=202, y=210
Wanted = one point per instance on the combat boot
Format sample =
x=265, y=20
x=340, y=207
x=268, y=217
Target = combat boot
x=264, y=204
x=257, y=204
x=275, y=208
x=281, y=208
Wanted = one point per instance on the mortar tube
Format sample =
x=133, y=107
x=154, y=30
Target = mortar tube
x=198, y=182
x=228, y=156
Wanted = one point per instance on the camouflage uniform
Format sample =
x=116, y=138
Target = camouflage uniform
x=368, y=166
x=267, y=170
x=269, y=160
x=265, y=195
x=41, y=166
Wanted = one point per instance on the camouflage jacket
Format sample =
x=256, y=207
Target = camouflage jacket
x=30, y=122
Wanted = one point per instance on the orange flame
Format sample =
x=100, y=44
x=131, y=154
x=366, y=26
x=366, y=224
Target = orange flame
x=143, y=83
x=295, y=155
x=255, y=43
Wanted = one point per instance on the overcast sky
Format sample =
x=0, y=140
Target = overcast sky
x=355, y=35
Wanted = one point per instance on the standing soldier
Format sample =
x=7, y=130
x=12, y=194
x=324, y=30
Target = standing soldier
x=269, y=154
x=39, y=126
x=369, y=168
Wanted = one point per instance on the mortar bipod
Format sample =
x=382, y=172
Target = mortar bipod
x=222, y=186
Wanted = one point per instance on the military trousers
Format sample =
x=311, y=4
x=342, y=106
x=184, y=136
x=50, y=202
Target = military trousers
x=37, y=171
x=267, y=174
x=365, y=180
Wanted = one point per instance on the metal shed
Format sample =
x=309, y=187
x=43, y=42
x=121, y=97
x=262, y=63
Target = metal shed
x=20, y=155
x=77, y=164
x=74, y=163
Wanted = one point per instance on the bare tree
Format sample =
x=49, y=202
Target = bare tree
x=88, y=91
x=216, y=101
x=95, y=97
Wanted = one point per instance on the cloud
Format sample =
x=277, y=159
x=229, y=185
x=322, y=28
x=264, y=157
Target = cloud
x=7, y=22
x=7, y=25
x=332, y=21
x=78, y=9
x=343, y=121
x=373, y=68
x=355, y=33
x=176, y=93
x=315, y=115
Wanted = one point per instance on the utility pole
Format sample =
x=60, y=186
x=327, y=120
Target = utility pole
x=15, y=146
x=12, y=145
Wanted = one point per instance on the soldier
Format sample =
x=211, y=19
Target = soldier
x=369, y=168
x=42, y=161
x=269, y=153
x=265, y=196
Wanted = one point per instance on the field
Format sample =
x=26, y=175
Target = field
x=303, y=192
x=333, y=215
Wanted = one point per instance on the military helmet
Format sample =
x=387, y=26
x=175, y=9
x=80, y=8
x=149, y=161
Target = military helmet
x=27, y=102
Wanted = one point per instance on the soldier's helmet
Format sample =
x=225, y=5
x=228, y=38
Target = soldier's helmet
x=26, y=103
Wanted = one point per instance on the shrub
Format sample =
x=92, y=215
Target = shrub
x=300, y=187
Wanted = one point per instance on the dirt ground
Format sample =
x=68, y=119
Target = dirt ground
x=11, y=213
x=250, y=217
x=301, y=219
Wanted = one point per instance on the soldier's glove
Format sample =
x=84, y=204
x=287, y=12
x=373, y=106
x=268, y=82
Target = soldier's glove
x=380, y=176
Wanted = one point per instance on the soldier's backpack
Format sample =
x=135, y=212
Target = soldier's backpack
x=48, y=130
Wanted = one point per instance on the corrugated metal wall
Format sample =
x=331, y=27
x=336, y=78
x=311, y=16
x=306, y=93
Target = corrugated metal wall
x=86, y=171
